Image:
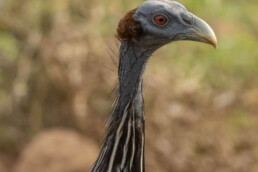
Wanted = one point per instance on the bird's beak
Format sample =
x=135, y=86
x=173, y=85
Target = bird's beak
x=200, y=31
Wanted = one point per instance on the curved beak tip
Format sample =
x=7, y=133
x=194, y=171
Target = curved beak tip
x=216, y=46
x=213, y=39
x=214, y=43
x=205, y=32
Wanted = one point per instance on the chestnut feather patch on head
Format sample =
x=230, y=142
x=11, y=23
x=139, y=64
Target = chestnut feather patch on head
x=128, y=29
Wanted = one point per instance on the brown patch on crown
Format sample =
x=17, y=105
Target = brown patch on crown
x=128, y=29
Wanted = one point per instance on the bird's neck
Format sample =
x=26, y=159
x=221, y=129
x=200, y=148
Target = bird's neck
x=132, y=62
x=123, y=148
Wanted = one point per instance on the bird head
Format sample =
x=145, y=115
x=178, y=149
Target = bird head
x=158, y=22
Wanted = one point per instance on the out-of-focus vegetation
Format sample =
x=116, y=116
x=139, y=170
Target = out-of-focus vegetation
x=56, y=71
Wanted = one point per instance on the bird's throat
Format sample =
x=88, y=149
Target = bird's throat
x=123, y=149
x=132, y=62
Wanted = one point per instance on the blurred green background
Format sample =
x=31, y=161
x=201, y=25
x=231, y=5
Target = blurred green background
x=58, y=63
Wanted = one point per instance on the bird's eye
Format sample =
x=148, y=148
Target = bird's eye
x=160, y=19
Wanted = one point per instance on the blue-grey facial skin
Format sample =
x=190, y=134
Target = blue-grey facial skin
x=181, y=24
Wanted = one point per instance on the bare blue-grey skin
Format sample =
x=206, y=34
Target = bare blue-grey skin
x=181, y=25
x=123, y=147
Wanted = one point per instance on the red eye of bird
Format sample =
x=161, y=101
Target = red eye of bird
x=160, y=19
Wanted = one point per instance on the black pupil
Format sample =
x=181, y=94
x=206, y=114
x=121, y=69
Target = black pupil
x=161, y=19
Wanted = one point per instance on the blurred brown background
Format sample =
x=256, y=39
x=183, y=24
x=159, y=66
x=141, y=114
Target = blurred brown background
x=58, y=62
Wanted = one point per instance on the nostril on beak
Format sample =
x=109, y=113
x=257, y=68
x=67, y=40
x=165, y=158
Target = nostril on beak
x=187, y=21
x=187, y=18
